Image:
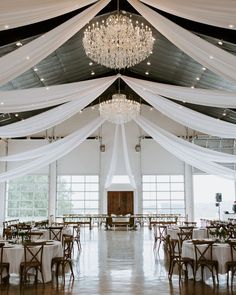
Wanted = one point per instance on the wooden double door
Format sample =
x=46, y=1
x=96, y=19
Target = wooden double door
x=120, y=203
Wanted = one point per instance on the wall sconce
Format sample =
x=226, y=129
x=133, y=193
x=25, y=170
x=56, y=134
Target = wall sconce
x=102, y=148
x=138, y=148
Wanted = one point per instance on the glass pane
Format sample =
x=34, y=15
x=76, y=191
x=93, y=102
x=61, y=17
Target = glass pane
x=41, y=212
x=163, y=187
x=177, y=178
x=78, y=178
x=91, y=187
x=63, y=186
x=177, y=186
x=91, y=204
x=149, y=186
x=149, y=204
x=163, y=195
x=149, y=178
x=177, y=195
x=163, y=178
x=77, y=196
x=63, y=196
x=178, y=211
x=26, y=212
x=77, y=187
x=91, y=178
x=177, y=204
x=12, y=213
x=64, y=178
x=91, y=196
x=149, y=211
x=163, y=211
x=149, y=195
x=163, y=204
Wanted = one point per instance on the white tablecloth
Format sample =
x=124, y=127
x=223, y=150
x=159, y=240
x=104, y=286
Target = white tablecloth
x=45, y=236
x=198, y=233
x=14, y=254
x=221, y=253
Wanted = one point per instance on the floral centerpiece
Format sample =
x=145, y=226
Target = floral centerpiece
x=221, y=234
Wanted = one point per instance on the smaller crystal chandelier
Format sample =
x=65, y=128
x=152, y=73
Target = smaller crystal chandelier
x=119, y=110
x=117, y=43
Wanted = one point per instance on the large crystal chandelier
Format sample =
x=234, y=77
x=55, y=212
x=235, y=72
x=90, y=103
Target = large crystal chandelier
x=119, y=110
x=118, y=43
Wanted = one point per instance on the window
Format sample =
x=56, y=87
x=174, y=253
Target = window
x=77, y=194
x=205, y=188
x=27, y=198
x=163, y=194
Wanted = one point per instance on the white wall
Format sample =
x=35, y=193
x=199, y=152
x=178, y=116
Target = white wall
x=87, y=158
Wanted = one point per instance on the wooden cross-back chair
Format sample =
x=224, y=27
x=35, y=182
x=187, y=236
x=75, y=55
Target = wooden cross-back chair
x=66, y=259
x=4, y=266
x=55, y=233
x=231, y=265
x=33, y=257
x=76, y=234
x=204, y=259
x=175, y=258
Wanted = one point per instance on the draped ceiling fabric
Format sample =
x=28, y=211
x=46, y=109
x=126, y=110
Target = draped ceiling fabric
x=212, y=12
x=17, y=13
x=185, y=116
x=183, y=153
x=64, y=147
x=205, y=153
x=54, y=116
x=215, y=59
x=43, y=97
x=206, y=97
x=18, y=61
x=114, y=157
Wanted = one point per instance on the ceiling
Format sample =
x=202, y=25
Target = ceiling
x=70, y=64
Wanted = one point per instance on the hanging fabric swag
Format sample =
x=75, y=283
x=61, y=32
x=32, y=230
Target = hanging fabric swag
x=64, y=147
x=212, y=12
x=17, y=13
x=43, y=97
x=183, y=153
x=207, y=97
x=187, y=117
x=20, y=60
x=52, y=117
x=208, y=55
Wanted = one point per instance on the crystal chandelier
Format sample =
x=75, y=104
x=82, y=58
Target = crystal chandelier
x=119, y=110
x=117, y=43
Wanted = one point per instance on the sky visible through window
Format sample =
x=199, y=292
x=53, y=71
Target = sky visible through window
x=205, y=188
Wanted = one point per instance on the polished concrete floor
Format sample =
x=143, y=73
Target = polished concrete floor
x=119, y=262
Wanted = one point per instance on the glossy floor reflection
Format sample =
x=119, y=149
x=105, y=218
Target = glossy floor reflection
x=119, y=262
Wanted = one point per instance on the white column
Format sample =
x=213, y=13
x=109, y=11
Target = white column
x=52, y=191
x=3, y=185
x=188, y=183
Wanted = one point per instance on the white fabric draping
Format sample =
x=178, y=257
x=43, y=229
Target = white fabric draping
x=183, y=153
x=212, y=12
x=211, y=155
x=212, y=57
x=65, y=147
x=18, y=61
x=42, y=97
x=114, y=157
x=187, y=117
x=17, y=13
x=52, y=117
x=126, y=157
x=207, y=97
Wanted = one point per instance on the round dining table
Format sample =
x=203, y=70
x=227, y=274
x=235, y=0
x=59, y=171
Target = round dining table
x=220, y=252
x=14, y=254
x=198, y=233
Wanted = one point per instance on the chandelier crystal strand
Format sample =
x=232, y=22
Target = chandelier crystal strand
x=117, y=43
x=119, y=110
